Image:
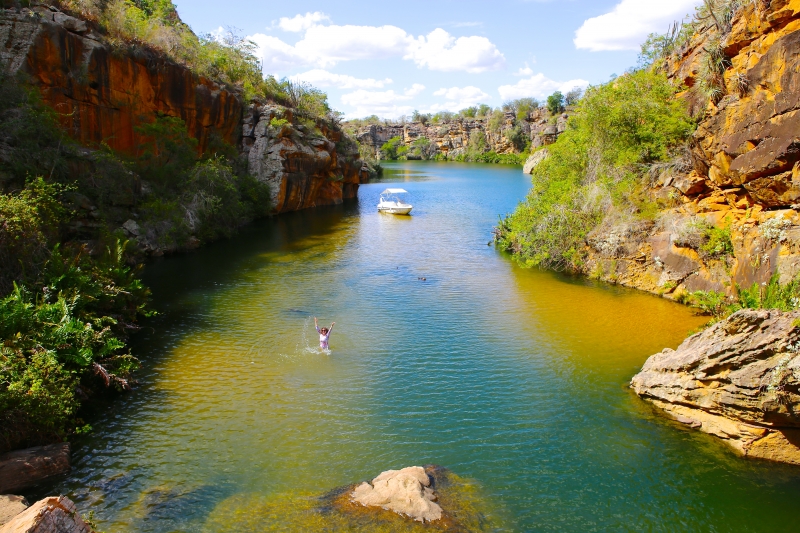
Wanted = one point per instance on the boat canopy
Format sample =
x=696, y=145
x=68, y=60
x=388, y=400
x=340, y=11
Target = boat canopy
x=394, y=191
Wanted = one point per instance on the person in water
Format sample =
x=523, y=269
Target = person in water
x=324, y=334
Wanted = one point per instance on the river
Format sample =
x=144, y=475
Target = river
x=513, y=378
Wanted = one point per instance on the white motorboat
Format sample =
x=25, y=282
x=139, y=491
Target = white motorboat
x=391, y=203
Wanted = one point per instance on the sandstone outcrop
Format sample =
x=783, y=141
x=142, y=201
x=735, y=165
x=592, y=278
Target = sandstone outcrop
x=102, y=90
x=56, y=514
x=407, y=492
x=741, y=172
x=534, y=159
x=101, y=93
x=450, y=139
x=23, y=469
x=305, y=164
x=11, y=506
x=738, y=380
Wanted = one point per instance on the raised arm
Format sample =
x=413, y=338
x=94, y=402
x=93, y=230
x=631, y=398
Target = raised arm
x=331, y=328
x=316, y=326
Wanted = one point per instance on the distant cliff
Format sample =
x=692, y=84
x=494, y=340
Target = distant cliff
x=449, y=140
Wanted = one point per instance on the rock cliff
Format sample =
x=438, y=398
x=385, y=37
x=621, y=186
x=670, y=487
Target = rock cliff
x=739, y=380
x=450, y=139
x=306, y=163
x=741, y=172
x=102, y=90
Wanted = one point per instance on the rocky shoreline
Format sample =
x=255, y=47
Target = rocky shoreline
x=738, y=380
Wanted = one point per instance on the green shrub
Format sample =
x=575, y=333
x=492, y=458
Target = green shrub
x=597, y=165
x=496, y=121
x=771, y=295
x=555, y=103
x=276, y=122
x=62, y=339
x=393, y=148
x=718, y=242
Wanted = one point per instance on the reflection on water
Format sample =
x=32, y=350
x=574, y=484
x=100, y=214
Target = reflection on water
x=514, y=378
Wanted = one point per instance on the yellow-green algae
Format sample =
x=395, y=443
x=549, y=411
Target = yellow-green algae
x=465, y=510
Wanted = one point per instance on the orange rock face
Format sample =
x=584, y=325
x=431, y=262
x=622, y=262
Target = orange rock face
x=101, y=94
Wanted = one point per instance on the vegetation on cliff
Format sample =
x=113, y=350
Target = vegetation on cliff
x=597, y=168
x=69, y=292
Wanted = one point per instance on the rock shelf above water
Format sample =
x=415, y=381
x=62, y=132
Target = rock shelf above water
x=738, y=380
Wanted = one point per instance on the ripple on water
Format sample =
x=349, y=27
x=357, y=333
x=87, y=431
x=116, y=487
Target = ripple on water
x=513, y=378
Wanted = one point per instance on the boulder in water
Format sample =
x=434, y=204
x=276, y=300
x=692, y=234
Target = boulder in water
x=738, y=380
x=406, y=492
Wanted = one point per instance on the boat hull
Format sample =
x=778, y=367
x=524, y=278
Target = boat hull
x=395, y=210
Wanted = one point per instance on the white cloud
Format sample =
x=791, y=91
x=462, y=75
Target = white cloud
x=299, y=23
x=524, y=71
x=324, y=46
x=537, y=86
x=332, y=44
x=629, y=24
x=441, y=51
x=381, y=103
x=460, y=97
x=277, y=55
x=323, y=78
x=415, y=89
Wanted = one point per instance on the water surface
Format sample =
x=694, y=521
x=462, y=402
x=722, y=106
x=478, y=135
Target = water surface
x=514, y=378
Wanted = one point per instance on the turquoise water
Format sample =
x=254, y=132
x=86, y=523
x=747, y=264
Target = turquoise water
x=514, y=378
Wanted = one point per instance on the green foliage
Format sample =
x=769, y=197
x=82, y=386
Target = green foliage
x=31, y=142
x=718, y=242
x=63, y=339
x=518, y=138
x=393, y=148
x=496, y=121
x=484, y=110
x=771, y=295
x=597, y=165
x=555, y=103
x=276, y=122
x=468, y=112
x=29, y=225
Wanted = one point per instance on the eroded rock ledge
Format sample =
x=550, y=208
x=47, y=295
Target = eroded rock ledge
x=738, y=380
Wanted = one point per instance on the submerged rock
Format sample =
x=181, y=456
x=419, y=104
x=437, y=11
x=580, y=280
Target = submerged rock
x=460, y=506
x=738, y=380
x=406, y=492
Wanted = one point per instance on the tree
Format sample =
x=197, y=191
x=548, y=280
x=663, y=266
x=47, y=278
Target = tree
x=555, y=103
x=573, y=96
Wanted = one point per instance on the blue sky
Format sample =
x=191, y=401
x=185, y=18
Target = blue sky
x=391, y=58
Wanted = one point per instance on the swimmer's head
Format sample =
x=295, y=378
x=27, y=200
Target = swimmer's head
x=324, y=331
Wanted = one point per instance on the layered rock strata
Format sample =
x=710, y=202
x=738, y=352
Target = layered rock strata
x=738, y=380
x=56, y=514
x=102, y=93
x=450, y=139
x=742, y=171
x=306, y=163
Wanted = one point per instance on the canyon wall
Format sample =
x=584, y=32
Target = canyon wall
x=101, y=92
x=450, y=139
x=740, y=172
